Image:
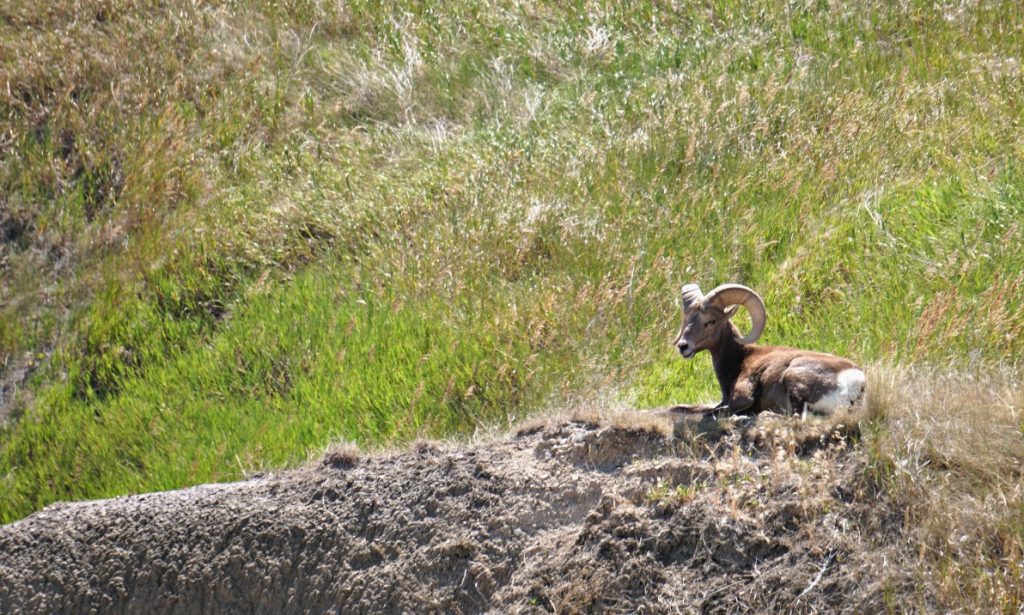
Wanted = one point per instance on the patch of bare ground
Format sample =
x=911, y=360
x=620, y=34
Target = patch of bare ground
x=13, y=375
x=595, y=514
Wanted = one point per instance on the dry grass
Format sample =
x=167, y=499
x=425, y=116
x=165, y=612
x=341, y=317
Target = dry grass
x=948, y=447
x=943, y=449
x=598, y=408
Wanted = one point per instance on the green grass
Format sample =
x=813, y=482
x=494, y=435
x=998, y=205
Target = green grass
x=310, y=362
x=232, y=235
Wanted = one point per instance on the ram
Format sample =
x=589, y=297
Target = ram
x=755, y=378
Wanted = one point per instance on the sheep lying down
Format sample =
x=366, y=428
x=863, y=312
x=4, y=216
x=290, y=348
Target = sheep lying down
x=755, y=378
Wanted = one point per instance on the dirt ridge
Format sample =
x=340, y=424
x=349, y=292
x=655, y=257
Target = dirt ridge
x=574, y=516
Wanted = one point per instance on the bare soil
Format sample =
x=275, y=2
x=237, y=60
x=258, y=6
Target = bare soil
x=13, y=374
x=598, y=515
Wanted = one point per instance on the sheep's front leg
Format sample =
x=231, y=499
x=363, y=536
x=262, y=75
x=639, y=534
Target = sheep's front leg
x=693, y=409
x=742, y=398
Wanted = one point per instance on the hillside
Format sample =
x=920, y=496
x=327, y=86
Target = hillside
x=235, y=234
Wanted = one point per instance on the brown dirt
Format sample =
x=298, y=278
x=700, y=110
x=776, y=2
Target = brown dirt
x=571, y=516
x=13, y=374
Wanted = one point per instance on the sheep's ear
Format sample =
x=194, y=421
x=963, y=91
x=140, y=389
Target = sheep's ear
x=731, y=311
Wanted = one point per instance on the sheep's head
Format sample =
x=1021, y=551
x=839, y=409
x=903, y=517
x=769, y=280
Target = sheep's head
x=706, y=319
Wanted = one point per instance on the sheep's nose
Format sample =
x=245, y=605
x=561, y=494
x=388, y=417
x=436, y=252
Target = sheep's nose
x=683, y=347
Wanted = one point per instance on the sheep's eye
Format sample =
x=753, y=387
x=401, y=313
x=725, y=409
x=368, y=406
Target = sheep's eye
x=709, y=323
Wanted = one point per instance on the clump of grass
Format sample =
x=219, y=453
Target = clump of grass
x=673, y=495
x=341, y=455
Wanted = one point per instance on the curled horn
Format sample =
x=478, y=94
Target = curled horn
x=691, y=296
x=737, y=294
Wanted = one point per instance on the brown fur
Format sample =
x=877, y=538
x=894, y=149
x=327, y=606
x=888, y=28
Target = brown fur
x=753, y=378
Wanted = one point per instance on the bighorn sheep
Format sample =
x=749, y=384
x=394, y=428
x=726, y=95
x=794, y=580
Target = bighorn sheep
x=755, y=378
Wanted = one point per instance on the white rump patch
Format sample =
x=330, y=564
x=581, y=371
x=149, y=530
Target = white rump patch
x=849, y=389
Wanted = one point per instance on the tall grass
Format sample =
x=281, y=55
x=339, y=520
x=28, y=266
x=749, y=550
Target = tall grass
x=242, y=231
x=949, y=448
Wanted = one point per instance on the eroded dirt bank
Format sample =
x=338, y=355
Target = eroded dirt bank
x=576, y=516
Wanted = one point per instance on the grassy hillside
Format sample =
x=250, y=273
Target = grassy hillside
x=231, y=234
